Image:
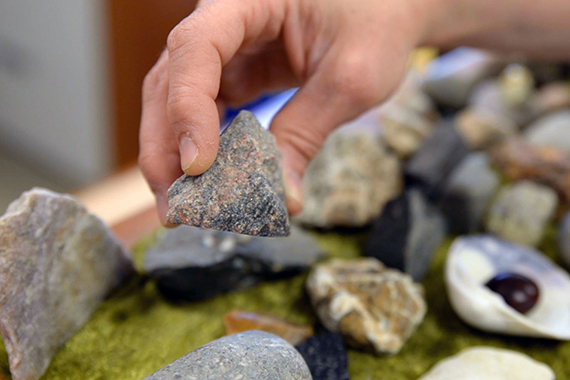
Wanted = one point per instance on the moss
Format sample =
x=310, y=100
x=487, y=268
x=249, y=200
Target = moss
x=135, y=332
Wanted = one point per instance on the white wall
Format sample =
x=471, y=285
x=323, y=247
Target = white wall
x=54, y=90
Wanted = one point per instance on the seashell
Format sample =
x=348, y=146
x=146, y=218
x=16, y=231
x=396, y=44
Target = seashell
x=474, y=260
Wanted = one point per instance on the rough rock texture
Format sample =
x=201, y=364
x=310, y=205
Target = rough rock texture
x=468, y=192
x=326, y=356
x=563, y=239
x=521, y=212
x=254, y=355
x=237, y=321
x=436, y=159
x=57, y=263
x=552, y=130
x=405, y=130
x=407, y=233
x=518, y=160
x=242, y=192
x=350, y=180
x=189, y=263
x=489, y=363
x=481, y=129
x=373, y=307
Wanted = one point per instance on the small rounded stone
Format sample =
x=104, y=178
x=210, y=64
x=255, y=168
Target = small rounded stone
x=518, y=291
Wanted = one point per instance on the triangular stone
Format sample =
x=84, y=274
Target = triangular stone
x=242, y=192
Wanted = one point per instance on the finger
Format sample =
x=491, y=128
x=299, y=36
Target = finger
x=158, y=156
x=198, y=48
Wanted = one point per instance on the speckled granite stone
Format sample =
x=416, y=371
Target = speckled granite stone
x=57, y=263
x=242, y=192
x=253, y=355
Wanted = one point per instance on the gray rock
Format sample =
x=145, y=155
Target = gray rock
x=242, y=192
x=254, y=355
x=552, y=130
x=521, y=212
x=350, y=180
x=468, y=192
x=57, y=263
x=407, y=233
x=190, y=264
x=563, y=239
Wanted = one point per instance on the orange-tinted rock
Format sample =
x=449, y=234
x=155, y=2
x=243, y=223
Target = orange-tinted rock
x=238, y=321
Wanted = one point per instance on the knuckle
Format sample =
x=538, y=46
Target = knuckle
x=357, y=81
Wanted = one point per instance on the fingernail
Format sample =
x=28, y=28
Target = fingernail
x=188, y=152
x=293, y=192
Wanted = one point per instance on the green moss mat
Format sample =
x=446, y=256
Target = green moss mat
x=135, y=332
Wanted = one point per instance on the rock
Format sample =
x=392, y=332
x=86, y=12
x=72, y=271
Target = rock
x=412, y=98
x=326, y=356
x=549, y=166
x=468, y=192
x=436, y=159
x=563, y=239
x=489, y=363
x=521, y=212
x=552, y=131
x=237, y=321
x=517, y=84
x=451, y=77
x=254, y=355
x=190, y=264
x=57, y=263
x=242, y=192
x=552, y=97
x=374, y=308
x=350, y=180
x=405, y=130
x=407, y=234
x=481, y=129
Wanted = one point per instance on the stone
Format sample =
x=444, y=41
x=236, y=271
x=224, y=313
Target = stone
x=517, y=84
x=468, y=192
x=489, y=363
x=522, y=212
x=436, y=159
x=518, y=160
x=243, y=190
x=373, y=307
x=563, y=239
x=407, y=233
x=411, y=97
x=552, y=130
x=350, y=180
x=552, y=97
x=237, y=321
x=254, y=355
x=190, y=263
x=57, y=263
x=481, y=129
x=326, y=356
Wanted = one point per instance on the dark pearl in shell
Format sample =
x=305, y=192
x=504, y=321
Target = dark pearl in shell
x=518, y=291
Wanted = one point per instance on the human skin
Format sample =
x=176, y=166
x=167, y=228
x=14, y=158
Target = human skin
x=346, y=56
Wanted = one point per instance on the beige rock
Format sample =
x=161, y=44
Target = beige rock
x=405, y=130
x=373, y=307
x=517, y=84
x=480, y=129
x=489, y=363
x=552, y=97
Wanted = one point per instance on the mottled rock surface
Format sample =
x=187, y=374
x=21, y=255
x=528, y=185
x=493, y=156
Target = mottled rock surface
x=254, y=355
x=407, y=233
x=242, y=192
x=57, y=263
x=481, y=129
x=552, y=130
x=563, y=239
x=326, y=356
x=468, y=192
x=237, y=321
x=350, y=180
x=374, y=308
x=190, y=263
x=521, y=212
x=489, y=363
x=405, y=130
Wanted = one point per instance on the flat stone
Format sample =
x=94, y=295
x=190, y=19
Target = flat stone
x=468, y=192
x=563, y=239
x=407, y=234
x=326, y=356
x=552, y=130
x=522, y=212
x=350, y=180
x=481, y=129
x=254, y=355
x=373, y=307
x=242, y=192
x=436, y=159
x=190, y=263
x=489, y=363
x=57, y=263
x=237, y=321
